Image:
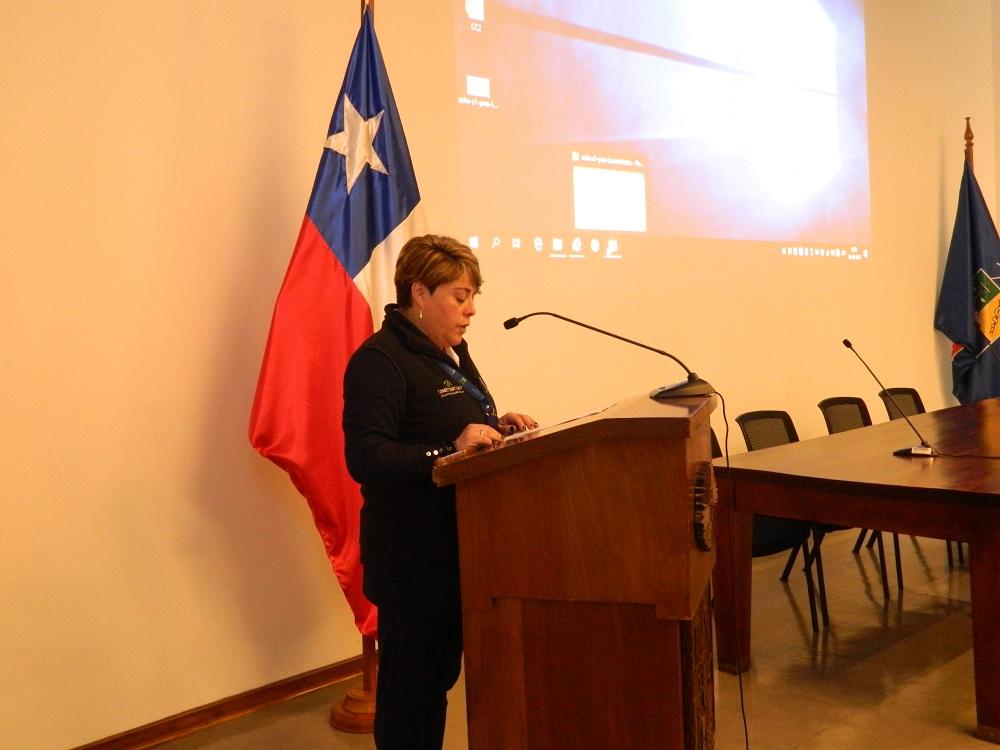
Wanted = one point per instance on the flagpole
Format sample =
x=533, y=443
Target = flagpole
x=303, y=361
x=356, y=712
x=990, y=346
x=968, y=143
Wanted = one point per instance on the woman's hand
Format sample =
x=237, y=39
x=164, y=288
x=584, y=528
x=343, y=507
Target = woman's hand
x=477, y=436
x=512, y=422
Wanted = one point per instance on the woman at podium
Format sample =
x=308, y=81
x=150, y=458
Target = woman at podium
x=412, y=394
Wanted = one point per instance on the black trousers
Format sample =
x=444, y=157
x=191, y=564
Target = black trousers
x=420, y=652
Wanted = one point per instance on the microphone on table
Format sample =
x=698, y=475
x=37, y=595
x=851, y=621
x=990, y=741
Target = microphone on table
x=693, y=386
x=924, y=449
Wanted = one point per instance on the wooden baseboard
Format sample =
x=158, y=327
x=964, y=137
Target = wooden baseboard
x=223, y=710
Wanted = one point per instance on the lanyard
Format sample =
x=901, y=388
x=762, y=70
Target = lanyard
x=485, y=402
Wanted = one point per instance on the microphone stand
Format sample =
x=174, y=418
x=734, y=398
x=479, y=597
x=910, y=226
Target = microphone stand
x=924, y=449
x=692, y=386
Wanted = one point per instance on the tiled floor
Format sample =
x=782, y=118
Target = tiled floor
x=886, y=675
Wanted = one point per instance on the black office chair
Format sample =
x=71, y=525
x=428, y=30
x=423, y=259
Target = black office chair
x=772, y=535
x=909, y=401
x=765, y=429
x=848, y=413
x=843, y=413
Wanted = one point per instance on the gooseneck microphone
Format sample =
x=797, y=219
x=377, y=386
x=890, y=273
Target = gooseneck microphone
x=924, y=449
x=693, y=386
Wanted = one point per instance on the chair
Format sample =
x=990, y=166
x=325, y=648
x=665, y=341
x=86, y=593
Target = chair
x=909, y=401
x=844, y=413
x=765, y=429
x=772, y=535
x=848, y=413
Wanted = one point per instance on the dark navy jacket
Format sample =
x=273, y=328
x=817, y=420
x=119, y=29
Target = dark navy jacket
x=401, y=412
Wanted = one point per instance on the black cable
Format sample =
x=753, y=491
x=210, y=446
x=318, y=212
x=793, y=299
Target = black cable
x=732, y=578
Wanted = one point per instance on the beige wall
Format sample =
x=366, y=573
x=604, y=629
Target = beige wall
x=157, y=160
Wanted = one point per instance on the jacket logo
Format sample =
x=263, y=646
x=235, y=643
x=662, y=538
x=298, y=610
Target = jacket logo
x=449, y=389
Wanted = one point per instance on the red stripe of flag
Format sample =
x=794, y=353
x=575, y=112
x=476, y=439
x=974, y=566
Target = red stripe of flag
x=320, y=318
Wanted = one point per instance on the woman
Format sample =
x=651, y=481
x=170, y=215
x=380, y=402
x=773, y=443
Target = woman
x=412, y=394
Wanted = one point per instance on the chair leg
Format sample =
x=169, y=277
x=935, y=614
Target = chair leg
x=961, y=553
x=821, y=585
x=810, y=585
x=817, y=558
x=873, y=538
x=861, y=540
x=899, y=563
x=881, y=565
x=791, y=561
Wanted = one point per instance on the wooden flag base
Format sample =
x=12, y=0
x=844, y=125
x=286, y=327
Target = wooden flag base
x=356, y=713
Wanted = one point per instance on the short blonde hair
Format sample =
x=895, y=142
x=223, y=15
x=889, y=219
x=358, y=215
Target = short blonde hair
x=433, y=260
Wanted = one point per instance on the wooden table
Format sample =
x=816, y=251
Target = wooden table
x=852, y=478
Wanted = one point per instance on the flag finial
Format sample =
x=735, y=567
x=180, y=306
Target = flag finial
x=968, y=142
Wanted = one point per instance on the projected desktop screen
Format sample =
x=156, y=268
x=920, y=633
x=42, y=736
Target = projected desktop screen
x=600, y=130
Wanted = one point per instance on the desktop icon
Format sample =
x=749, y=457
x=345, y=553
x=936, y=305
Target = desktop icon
x=475, y=10
x=477, y=86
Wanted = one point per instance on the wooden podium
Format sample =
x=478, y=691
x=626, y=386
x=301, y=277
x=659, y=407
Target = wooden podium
x=584, y=587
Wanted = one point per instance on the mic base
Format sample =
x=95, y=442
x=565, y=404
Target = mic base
x=693, y=386
x=917, y=451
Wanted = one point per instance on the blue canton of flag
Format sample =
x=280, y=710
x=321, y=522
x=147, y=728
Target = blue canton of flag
x=355, y=209
x=968, y=308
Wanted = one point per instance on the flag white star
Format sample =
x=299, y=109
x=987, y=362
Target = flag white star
x=355, y=142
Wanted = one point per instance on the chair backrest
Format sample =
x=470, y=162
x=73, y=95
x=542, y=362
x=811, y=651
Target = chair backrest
x=764, y=429
x=844, y=413
x=907, y=398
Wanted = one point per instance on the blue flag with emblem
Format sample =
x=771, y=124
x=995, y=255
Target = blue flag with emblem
x=968, y=308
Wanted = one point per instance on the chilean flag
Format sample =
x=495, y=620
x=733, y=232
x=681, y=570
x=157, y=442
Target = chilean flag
x=364, y=206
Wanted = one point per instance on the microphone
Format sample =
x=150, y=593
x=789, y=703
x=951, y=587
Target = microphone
x=693, y=386
x=924, y=449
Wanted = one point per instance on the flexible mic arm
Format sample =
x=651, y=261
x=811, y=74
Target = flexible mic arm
x=924, y=449
x=693, y=386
